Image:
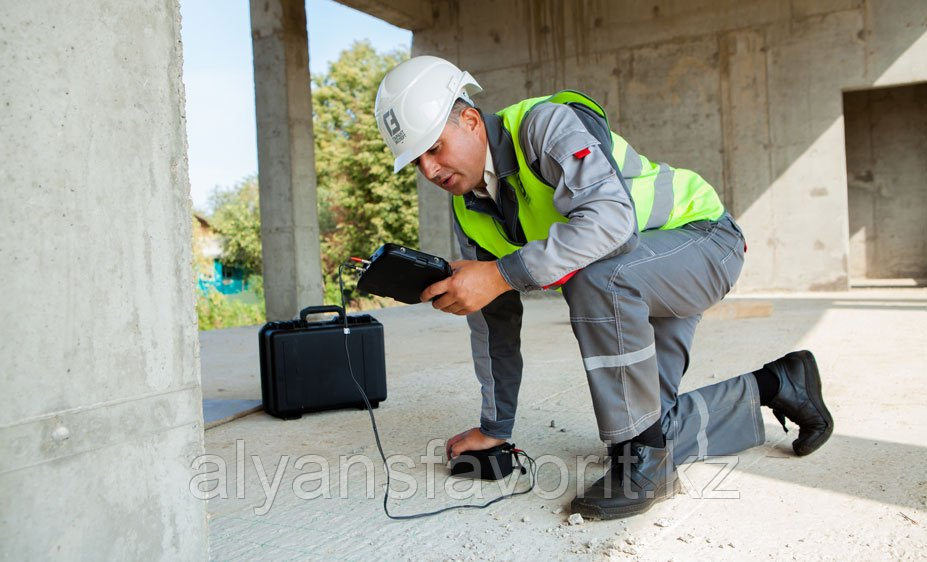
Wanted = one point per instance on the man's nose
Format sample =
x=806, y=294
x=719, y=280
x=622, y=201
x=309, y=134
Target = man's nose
x=428, y=166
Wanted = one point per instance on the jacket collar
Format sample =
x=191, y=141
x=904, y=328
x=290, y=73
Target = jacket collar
x=500, y=145
x=502, y=150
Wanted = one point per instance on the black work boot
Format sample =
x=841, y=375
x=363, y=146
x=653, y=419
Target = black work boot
x=800, y=400
x=636, y=480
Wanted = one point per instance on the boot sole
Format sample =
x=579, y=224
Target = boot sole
x=813, y=385
x=589, y=511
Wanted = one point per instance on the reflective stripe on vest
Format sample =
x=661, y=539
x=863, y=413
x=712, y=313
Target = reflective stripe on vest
x=664, y=197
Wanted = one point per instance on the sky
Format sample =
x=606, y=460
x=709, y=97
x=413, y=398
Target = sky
x=218, y=78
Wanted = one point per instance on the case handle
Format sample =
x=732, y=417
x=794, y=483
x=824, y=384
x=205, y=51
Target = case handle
x=320, y=310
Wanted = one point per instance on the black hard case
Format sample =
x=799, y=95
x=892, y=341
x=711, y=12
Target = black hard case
x=304, y=367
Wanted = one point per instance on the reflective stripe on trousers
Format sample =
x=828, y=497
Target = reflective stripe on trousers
x=634, y=315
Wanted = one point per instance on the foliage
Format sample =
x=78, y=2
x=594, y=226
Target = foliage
x=362, y=204
x=237, y=219
x=255, y=284
x=216, y=310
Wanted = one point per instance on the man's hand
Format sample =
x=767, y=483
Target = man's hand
x=470, y=440
x=473, y=285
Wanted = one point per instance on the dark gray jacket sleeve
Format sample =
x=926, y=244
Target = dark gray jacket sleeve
x=587, y=191
x=495, y=340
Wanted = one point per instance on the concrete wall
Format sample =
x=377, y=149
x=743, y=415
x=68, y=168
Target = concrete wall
x=747, y=92
x=101, y=413
x=887, y=168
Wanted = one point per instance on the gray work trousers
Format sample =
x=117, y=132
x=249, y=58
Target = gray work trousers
x=635, y=315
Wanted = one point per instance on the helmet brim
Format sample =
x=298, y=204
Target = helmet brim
x=419, y=148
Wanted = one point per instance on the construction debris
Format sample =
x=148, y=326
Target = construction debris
x=575, y=519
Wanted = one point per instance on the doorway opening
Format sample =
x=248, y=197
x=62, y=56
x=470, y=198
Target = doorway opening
x=886, y=149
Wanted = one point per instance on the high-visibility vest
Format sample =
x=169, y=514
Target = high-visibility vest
x=664, y=197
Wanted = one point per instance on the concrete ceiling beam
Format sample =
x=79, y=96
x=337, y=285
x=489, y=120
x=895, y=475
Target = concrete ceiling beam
x=413, y=15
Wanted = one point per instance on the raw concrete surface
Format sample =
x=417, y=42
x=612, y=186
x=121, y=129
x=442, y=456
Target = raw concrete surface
x=219, y=411
x=862, y=496
x=101, y=415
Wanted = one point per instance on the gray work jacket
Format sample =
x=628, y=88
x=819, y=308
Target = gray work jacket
x=588, y=191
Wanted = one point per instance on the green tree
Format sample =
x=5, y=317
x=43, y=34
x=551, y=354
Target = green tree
x=237, y=219
x=362, y=204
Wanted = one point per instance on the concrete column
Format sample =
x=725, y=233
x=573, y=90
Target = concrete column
x=102, y=421
x=435, y=220
x=435, y=213
x=286, y=160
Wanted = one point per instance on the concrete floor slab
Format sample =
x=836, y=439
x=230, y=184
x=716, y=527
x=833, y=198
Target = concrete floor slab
x=219, y=411
x=313, y=488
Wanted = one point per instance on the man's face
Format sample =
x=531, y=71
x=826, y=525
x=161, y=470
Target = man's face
x=455, y=162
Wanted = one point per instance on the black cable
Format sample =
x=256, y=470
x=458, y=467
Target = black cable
x=376, y=434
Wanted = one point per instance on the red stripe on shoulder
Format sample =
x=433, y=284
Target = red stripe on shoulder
x=582, y=153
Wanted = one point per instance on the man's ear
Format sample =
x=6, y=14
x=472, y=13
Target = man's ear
x=470, y=118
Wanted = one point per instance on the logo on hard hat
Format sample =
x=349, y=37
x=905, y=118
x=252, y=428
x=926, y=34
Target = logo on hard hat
x=392, y=126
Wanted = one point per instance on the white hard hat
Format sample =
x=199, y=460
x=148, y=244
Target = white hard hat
x=414, y=101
